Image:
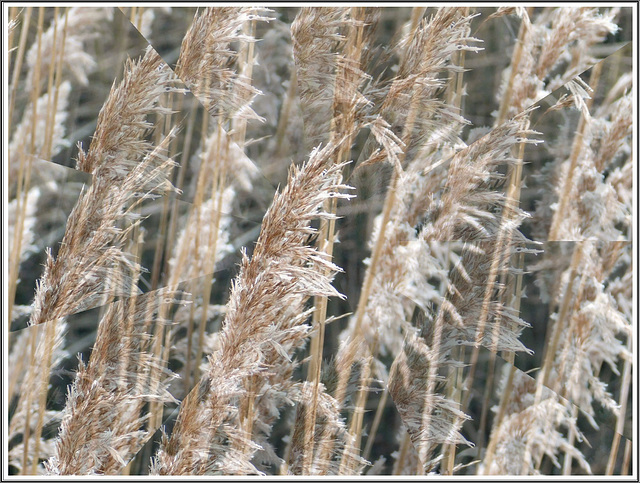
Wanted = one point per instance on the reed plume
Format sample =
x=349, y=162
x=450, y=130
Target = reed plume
x=265, y=322
x=105, y=403
x=124, y=167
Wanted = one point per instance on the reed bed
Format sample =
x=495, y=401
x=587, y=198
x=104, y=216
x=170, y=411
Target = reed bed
x=320, y=241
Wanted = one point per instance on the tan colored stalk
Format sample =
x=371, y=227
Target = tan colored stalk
x=197, y=212
x=138, y=23
x=44, y=386
x=132, y=14
x=13, y=274
x=239, y=128
x=159, y=353
x=162, y=231
x=27, y=424
x=376, y=423
x=184, y=160
x=558, y=325
x=404, y=448
x=13, y=20
x=454, y=394
x=356, y=421
x=506, y=393
x=283, y=119
x=326, y=240
x=24, y=30
x=626, y=459
x=220, y=174
x=566, y=467
x=573, y=325
x=20, y=224
x=348, y=463
x=502, y=408
x=515, y=62
x=620, y=418
x=431, y=387
x=156, y=407
x=137, y=240
x=23, y=179
x=52, y=103
x=456, y=389
x=576, y=149
x=181, y=261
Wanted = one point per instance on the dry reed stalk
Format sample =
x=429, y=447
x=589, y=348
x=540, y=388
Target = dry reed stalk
x=24, y=172
x=330, y=436
x=19, y=59
x=11, y=29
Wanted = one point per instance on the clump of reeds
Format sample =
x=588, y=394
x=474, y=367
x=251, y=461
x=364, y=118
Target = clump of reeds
x=402, y=332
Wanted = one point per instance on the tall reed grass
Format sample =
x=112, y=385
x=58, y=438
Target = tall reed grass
x=320, y=241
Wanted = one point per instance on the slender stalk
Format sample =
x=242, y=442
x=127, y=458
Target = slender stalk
x=404, y=449
x=558, y=325
x=376, y=423
x=576, y=150
x=27, y=424
x=626, y=459
x=326, y=240
x=24, y=30
x=502, y=409
x=515, y=62
x=283, y=119
x=52, y=103
x=22, y=183
x=13, y=17
x=621, y=416
x=17, y=242
x=43, y=389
